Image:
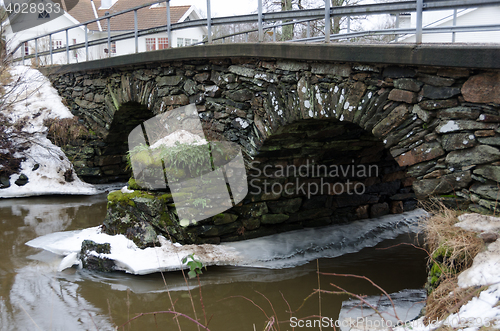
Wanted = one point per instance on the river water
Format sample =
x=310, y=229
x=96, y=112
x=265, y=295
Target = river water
x=34, y=296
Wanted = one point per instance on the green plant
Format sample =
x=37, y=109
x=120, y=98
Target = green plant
x=194, y=265
x=200, y=201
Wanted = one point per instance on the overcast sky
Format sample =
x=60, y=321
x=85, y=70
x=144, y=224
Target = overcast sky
x=221, y=7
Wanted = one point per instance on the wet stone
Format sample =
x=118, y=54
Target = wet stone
x=458, y=113
x=490, y=192
x=285, y=206
x=379, y=209
x=436, y=80
x=408, y=84
x=456, y=141
x=489, y=171
x=433, y=92
x=422, y=153
x=252, y=210
x=482, y=88
x=224, y=218
x=438, y=104
x=495, y=141
x=446, y=184
x=477, y=155
x=274, y=218
x=4, y=182
x=402, y=96
x=22, y=180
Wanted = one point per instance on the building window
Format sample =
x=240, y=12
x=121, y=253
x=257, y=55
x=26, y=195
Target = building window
x=26, y=49
x=194, y=41
x=113, y=47
x=56, y=44
x=180, y=42
x=162, y=43
x=150, y=44
x=187, y=42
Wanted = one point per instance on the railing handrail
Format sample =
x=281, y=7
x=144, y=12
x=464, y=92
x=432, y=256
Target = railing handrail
x=90, y=22
x=292, y=16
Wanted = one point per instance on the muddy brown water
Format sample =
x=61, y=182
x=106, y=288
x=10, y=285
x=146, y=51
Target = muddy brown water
x=34, y=296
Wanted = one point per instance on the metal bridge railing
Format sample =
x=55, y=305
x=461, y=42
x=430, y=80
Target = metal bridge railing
x=269, y=21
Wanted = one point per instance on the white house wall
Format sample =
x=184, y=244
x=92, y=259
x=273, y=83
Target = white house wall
x=480, y=16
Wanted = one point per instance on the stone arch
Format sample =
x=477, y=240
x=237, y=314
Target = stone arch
x=431, y=120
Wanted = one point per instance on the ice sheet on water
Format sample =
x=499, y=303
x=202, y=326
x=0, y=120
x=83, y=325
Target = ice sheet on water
x=298, y=247
x=403, y=306
x=277, y=251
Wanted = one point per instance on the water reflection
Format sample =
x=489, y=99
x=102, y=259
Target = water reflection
x=33, y=295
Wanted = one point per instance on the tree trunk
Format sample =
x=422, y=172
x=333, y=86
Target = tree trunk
x=287, y=29
x=335, y=27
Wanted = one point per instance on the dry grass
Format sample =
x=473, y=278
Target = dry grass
x=447, y=299
x=456, y=245
x=451, y=250
x=63, y=131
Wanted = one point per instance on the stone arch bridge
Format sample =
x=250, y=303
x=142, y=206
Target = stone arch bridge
x=369, y=128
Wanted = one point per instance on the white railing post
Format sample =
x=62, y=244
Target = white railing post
x=327, y=21
x=36, y=50
x=50, y=45
x=209, y=22
x=308, y=29
x=348, y=24
x=86, y=42
x=418, y=30
x=109, y=34
x=169, y=25
x=261, y=30
x=396, y=37
x=67, y=46
x=453, y=34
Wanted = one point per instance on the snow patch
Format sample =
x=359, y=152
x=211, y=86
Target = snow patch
x=449, y=127
x=181, y=137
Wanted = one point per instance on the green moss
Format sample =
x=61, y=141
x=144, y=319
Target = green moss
x=449, y=196
x=166, y=198
x=132, y=184
x=166, y=220
x=218, y=217
x=124, y=199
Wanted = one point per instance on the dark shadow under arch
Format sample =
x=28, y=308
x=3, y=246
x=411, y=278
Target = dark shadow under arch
x=328, y=172
x=112, y=154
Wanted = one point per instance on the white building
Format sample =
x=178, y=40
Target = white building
x=86, y=10
x=465, y=17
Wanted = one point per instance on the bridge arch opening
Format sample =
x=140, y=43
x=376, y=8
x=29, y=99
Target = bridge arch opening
x=318, y=172
x=112, y=158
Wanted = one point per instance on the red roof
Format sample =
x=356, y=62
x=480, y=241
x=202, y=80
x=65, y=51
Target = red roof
x=147, y=17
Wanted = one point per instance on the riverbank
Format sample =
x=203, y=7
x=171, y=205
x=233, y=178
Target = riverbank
x=464, y=275
x=29, y=101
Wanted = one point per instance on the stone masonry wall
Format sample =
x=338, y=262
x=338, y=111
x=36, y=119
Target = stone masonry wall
x=439, y=128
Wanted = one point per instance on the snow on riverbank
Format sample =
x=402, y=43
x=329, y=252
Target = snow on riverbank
x=482, y=311
x=34, y=98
